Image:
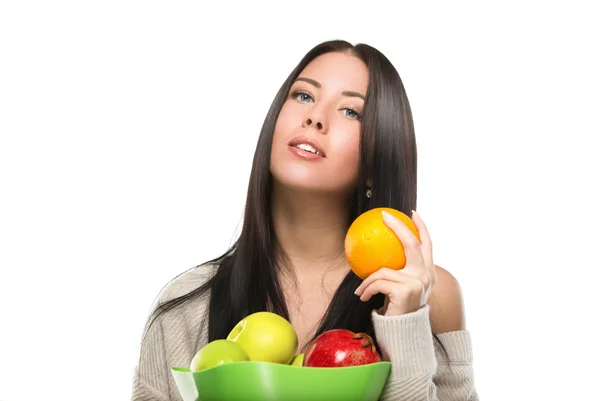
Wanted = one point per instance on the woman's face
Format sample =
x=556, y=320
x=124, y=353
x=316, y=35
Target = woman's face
x=317, y=135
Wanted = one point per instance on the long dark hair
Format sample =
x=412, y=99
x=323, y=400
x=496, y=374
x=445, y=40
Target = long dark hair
x=246, y=280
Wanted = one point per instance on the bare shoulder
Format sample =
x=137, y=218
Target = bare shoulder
x=446, y=304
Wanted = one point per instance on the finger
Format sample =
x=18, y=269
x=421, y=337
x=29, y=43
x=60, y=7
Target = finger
x=381, y=274
x=421, y=281
x=426, y=244
x=379, y=287
x=412, y=246
x=394, y=289
x=400, y=276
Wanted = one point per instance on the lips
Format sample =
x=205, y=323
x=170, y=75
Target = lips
x=304, y=140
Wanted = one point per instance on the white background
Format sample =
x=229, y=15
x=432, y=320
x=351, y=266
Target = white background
x=128, y=129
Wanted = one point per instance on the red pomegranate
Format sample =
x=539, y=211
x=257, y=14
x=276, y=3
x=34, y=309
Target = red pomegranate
x=338, y=348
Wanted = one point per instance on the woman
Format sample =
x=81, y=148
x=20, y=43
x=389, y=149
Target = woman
x=338, y=140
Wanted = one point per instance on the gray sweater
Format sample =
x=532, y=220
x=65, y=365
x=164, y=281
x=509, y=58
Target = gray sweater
x=420, y=370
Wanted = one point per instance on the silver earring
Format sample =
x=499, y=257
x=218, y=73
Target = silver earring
x=369, y=193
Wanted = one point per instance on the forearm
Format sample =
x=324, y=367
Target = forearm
x=407, y=342
x=420, y=372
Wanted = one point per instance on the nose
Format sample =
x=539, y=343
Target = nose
x=318, y=122
x=309, y=122
x=317, y=116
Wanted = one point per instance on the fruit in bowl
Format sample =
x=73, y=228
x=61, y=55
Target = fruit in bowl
x=266, y=337
x=297, y=360
x=218, y=352
x=259, y=362
x=339, y=348
x=267, y=381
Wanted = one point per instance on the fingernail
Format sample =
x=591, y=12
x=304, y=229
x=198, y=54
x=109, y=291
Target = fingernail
x=414, y=212
x=386, y=215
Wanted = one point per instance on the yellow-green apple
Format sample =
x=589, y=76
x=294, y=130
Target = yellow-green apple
x=218, y=352
x=297, y=360
x=266, y=337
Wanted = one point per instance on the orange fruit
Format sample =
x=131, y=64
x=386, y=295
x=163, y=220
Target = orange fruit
x=371, y=245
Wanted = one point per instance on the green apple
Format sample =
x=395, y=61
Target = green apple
x=266, y=337
x=218, y=352
x=298, y=360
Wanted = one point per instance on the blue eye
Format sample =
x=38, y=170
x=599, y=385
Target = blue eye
x=303, y=97
x=352, y=113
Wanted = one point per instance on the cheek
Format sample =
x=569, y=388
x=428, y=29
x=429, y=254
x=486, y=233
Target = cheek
x=283, y=125
x=281, y=136
x=349, y=144
x=348, y=156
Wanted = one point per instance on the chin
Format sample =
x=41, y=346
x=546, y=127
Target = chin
x=299, y=175
x=302, y=181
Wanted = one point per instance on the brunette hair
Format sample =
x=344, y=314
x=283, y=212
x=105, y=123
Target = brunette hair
x=246, y=280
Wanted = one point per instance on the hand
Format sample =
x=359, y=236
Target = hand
x=408, y=289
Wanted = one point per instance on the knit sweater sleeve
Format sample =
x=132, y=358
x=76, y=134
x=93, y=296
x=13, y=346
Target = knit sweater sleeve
x=420, y=370
x=150, y=380
x=171, y=340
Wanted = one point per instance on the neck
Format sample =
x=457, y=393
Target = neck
x=310, y=228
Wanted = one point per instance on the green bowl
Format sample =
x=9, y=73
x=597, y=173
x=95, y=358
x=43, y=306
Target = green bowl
x=265, y=381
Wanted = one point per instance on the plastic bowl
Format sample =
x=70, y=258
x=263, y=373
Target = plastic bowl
x=265, y=381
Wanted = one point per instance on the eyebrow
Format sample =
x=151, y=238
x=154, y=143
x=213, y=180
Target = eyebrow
x=318, y=85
